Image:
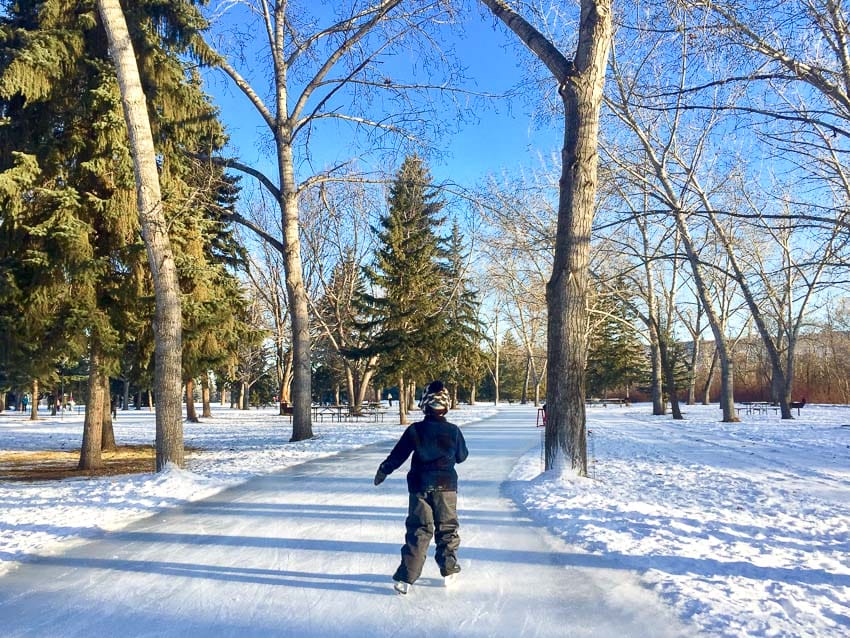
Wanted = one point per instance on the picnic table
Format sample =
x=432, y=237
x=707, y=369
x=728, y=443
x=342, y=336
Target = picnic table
x=330, y=411
x=604, y=402
x=757, y=407
x=344, y=411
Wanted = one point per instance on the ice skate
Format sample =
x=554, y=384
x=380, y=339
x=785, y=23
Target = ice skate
x=450, y=574
x=401, y=587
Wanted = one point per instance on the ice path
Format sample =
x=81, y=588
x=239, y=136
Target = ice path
x=308, y=552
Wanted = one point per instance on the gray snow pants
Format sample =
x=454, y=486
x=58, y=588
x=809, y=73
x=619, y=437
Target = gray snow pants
x=429, y=514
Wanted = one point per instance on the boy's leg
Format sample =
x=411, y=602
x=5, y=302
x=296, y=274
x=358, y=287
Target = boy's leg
x=447, y=526
x=420, y=530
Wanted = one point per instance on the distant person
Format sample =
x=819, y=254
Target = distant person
x=24, y=403
x=390, y=399
x=436, y=445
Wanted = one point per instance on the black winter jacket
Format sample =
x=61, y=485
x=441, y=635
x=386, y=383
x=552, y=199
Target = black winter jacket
x=436, y=445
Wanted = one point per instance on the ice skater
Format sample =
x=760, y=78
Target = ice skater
x=437, y=446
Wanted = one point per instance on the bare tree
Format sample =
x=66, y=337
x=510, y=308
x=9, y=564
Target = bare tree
x=580, y=84
x=494, y=343
x=637, y=245
x=325, y=65
x=780, y=278
x=803, y=111
x=338, y=240
x=754, y=241
x=671, y=152
x=168, y=321
x=521, y=217
x=265, y=273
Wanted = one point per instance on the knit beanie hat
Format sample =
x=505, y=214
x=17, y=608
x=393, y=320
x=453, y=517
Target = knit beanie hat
x=436, y=398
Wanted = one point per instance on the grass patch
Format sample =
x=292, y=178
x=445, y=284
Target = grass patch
x=48, y=465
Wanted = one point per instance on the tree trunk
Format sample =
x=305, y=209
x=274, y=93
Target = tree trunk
x=90, y=458
x=107, y=440
x=283, y=370
x=302, y=394
x=34, y=402
x=692, y=376
x=538, y=380
x=411, y=395
x=206, y=410
x=659, y=407
x=191, y=413
x=526, y=381
x=286, y=378
x=402, y=401
x=706, y=398
x=168, y=321
x=496, y=363
x=668, y=365
x=727, y=392
x=580, y=85
x=125, y=404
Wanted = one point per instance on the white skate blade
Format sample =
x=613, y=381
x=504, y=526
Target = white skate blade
x=401, y=587
x=450, y=581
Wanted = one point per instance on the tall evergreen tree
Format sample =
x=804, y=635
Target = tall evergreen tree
x=65, y=145
x=59, y=166
x=407, y=307
x=616, y=357
x=464, y=332
x=341, y=345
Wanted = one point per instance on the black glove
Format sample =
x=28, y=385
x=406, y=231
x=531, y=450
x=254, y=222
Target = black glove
x=379, y=477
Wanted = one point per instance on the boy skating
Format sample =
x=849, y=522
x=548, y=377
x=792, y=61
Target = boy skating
x=437, y=446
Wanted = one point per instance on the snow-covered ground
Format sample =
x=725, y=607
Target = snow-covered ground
x=742, y=529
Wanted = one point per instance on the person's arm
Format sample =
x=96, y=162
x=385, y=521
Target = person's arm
x=461, y=453
x=399, y=454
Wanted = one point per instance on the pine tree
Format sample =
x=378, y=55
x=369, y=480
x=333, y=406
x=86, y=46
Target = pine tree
x=464, y=332
x=64, y=158
x=513, y=369
x=407, y=308
x=616, y=358
x=603, y=359
x=344, y=338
